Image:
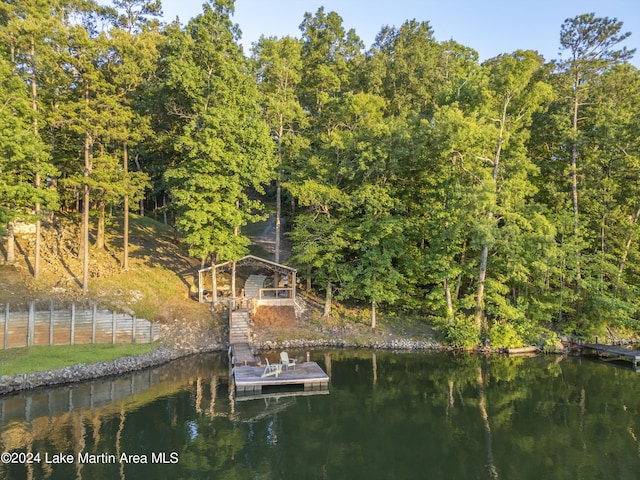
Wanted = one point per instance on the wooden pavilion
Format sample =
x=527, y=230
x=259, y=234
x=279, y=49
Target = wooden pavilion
x=255, y=290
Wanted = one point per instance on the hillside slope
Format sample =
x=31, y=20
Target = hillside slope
x=156, y=286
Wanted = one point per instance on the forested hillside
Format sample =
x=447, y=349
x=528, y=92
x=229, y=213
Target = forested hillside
x=497, y=200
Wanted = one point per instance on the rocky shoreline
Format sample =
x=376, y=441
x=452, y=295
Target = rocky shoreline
x=82, y=372
x=162, y=355
x=181, y=338
x=377, y=344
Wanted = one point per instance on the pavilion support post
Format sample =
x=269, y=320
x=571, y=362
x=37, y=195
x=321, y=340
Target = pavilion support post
x=233, y=280
x=293, y=285
x=214, y=285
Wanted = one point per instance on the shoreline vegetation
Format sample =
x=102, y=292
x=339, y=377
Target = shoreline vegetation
x=80, y=372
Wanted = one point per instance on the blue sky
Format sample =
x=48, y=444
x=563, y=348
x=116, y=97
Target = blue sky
x=491, y=27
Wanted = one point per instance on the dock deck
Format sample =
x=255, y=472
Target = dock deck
x=613, y=351
x=249, y=380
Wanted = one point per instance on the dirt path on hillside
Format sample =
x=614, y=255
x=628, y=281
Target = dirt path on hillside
x=266, y=240
x=270, y=319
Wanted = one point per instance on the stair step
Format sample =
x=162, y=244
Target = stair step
x=240, y=325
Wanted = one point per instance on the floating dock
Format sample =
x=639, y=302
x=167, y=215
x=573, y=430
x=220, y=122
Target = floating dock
x=278, y=395
x=613, y=351
x=308, y=375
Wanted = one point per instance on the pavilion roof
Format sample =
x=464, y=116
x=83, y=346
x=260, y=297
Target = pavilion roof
x=252, y=260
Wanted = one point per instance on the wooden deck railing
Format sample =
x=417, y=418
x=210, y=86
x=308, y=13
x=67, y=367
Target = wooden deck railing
x=282, y=292
x=282, y=296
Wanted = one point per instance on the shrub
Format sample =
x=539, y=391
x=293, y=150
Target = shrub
x=461, y=333
x=504, y=335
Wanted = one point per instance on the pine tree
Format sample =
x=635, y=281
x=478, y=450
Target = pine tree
x=591, y=44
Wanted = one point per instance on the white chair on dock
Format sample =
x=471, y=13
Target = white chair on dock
x=270, y=369
x=286, y=361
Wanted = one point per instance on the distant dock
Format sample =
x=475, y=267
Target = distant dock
x=308, y=375
x=612, y=351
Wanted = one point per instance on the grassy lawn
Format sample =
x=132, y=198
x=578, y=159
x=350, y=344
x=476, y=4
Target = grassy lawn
x=34, y=359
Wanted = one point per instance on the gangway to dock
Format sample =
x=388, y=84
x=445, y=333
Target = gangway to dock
x=241, y=354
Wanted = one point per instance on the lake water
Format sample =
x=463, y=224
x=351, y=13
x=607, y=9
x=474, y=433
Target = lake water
x=386, y=416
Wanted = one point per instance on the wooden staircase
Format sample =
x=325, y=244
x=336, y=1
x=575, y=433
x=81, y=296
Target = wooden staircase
x=240, y=324
x=253, y=284
x=240, y=338
x=240, y=327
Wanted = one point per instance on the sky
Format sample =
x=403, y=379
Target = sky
x=491, y=27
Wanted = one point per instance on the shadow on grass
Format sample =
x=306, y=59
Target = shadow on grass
x=23, y=252
x=155, y=245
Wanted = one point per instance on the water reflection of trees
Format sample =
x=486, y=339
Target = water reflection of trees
x=98, y=417
x=452, y=416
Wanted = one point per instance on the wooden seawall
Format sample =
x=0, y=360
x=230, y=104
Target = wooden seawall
x=77, y=325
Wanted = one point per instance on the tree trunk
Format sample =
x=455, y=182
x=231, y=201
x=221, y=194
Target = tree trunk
x=100, y=230
x=36, y=253
x=574, y=183
x=125, y=208
x=279, y=195
x=11, y=245
x=34, y=107
x=447, y=294
x=309, y=280
x=373, y=314
x=278, y=220
x=481, y=319
x=373, y=304
x=85, y=215
x=279, y=188
x=327, y=300
x=164, y=207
